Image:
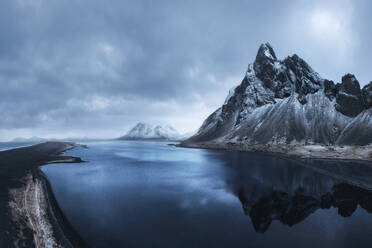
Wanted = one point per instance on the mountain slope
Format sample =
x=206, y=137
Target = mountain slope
x=287, y=102
x=145, y=131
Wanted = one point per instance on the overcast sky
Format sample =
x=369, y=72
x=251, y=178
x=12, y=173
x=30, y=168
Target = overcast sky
x=95, y=68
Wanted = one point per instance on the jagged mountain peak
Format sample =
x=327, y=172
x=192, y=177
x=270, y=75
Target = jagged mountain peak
x=286, y=101
x=266, y=51
x=283, y=77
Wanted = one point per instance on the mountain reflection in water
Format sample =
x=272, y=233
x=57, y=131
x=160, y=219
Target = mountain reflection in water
x=288, y=191
x=292, y=209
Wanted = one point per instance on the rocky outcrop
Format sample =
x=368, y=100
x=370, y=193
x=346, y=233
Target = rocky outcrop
x=349, y=96
x=330, y=89
x=367, y=95
x=280, y=76
x=287, y=102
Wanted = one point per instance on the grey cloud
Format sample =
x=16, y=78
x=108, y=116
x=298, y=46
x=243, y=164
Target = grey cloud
x=86, y=65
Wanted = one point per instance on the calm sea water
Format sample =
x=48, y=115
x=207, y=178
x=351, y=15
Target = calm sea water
x=149, y=194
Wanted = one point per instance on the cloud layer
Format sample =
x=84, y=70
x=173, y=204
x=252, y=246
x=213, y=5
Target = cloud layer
x=94, y=68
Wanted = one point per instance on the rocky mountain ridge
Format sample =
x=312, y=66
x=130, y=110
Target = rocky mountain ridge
x=287, y=102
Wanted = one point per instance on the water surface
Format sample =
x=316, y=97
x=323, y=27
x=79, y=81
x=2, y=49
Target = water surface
x=149, y=194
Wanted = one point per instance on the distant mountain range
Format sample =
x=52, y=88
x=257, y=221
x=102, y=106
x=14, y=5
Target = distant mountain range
x=141, y=131
x=36, y=139
x=33, y=139
x=287, y=102
x=146, y=131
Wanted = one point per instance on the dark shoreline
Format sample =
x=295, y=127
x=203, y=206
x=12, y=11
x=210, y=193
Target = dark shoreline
x=275, y=150
x=296, y=158
x=63, y=230
x=21, y=176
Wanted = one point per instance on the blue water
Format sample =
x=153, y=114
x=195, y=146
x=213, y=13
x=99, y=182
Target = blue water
x=150, y=194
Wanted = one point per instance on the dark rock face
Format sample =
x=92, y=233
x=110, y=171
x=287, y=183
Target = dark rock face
x=349, y=98
x=281, y=76
x=306, y=80
x=286, y=101
x=330, y=89
x=265, y=69
x=367, y=95
x=350, y=84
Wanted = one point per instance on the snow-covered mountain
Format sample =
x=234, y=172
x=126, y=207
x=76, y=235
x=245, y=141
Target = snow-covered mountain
x=146, y=131
x=287, y=102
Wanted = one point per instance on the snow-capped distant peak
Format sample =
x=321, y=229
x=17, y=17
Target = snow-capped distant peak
x=143, y=131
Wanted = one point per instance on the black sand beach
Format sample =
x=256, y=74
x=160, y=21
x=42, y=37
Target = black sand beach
x=30, y=216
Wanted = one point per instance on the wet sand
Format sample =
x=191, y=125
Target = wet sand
x=30, y=215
